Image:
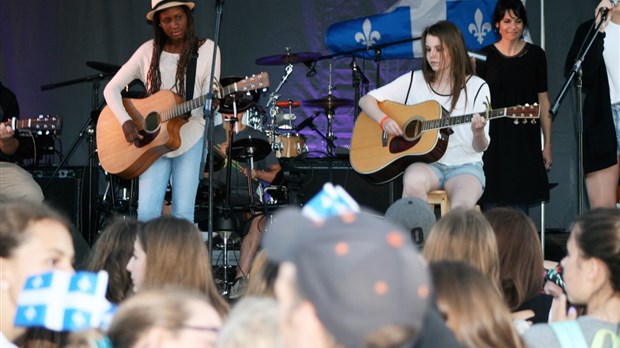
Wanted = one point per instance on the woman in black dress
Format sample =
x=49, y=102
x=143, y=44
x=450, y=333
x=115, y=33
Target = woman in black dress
x=515, y=165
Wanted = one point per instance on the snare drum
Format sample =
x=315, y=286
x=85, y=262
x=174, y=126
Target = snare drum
x=289, y=145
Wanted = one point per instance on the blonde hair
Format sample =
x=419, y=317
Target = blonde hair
x=253, y=322
x=465, y=235
x=474, y=311
x=176, y=255
x=262, y=276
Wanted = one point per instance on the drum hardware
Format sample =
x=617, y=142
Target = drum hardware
x=329, y=103
x=288, y=58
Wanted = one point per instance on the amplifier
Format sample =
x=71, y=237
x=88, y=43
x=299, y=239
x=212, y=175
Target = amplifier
x=306, y=177
x=64, y=172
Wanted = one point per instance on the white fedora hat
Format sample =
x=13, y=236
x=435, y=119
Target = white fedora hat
x=158, y=5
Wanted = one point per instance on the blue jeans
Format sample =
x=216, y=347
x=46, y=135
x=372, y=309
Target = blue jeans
x=445, y=172
x=615, y=112
x=183, y=173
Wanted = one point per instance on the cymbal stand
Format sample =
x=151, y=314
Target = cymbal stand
x=87, y=129
x=358, y=78
x=329, y=112
x=273, y=109
x=226, y=219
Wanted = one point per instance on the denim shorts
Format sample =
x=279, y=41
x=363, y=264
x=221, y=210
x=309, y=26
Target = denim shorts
x=615, y=112
x=445, y=172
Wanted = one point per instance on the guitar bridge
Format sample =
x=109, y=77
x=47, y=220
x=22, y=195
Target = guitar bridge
x=384, y=138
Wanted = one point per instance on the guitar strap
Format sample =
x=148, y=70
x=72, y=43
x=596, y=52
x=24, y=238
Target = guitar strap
x=190, y=77
x=409, y=90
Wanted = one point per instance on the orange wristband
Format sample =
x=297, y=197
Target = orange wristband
x=383, y=120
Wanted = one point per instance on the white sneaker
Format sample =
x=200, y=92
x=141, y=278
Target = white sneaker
x=238, y=288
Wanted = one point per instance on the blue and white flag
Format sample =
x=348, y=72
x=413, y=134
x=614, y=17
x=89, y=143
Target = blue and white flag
x=330, y=201
x=405, y=22
x=62, y=301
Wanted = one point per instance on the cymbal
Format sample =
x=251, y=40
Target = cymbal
x=328, y=102
x=289, y=58
x=245, y=148
x=104, y=67
x=287, y=103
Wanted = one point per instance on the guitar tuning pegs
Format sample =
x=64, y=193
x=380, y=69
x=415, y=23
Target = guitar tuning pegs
x=533, y=121
x=516, y=121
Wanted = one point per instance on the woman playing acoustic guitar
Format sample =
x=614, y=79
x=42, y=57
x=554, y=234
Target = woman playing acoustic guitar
x=446, y=77
x=161, y=64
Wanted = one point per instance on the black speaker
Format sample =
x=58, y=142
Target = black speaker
x=63, y=191
x=309, y=176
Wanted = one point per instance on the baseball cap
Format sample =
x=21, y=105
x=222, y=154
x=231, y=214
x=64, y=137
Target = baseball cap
x=414, y=215
x=361, y=273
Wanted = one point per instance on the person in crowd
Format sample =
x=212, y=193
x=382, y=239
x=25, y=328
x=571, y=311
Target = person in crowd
x=465, y=235
x=601, y=103
x=253, y=323
x=34, y=239
x=232, y=131
x=15, y=182
x=162, y=64
x=352, y=280
x=471, y=306
x=521, y=262
x=592, y=278
x=516, y=72
x=112, y=252
x=447, y=77
x=167, y=317
x=262, y=276
x=170, y=251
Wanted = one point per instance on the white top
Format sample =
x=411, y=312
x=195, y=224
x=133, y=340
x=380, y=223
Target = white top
x=137, y=67
x=5, y=343
x=611, y=54
x=460, y=150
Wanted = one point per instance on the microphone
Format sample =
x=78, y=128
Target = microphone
x=604, y=11
x=478, y=56
x=357, y=71
x=307, y=121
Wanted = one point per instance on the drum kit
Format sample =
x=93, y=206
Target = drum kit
x=285, y=139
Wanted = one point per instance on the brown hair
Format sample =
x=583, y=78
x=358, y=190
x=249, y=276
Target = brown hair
x=520, y=255
x=159, y=41
x=17, y=216
x=597, y=234
x=473, y=309
x=465, y=235
x=452, y=41
x=262, y=276
x=112, y=252
x=176, y=255
x=167, y=308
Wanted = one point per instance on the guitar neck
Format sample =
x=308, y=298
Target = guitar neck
x=183, y=108
x=462, y=119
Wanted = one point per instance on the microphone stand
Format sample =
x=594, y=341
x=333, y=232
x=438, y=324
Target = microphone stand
x=209, y=121
x=358, y=78
x=576, y=71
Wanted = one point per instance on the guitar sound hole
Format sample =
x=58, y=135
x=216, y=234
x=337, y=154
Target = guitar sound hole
x=151, y=122
x=412, y=129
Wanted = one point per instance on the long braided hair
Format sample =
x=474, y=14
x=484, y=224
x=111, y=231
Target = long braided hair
x=159, y=41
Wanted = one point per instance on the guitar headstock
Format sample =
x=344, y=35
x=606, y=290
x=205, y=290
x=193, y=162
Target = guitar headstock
x=524, y=112
x=254, y=82
x=41, y=125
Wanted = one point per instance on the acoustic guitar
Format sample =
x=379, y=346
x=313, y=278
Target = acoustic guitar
x=159, y=119
x=426, y=128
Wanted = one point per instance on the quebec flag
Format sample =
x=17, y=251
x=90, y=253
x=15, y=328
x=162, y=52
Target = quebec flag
x=330, y=201
x=62, y=301
x=396, y=34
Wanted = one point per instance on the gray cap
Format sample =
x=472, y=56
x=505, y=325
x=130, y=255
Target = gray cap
x=360, y=272
x=414, y=215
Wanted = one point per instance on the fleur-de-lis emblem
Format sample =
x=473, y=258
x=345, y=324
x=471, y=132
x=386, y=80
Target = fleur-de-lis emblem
x=479, y=29
x=368, y=37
